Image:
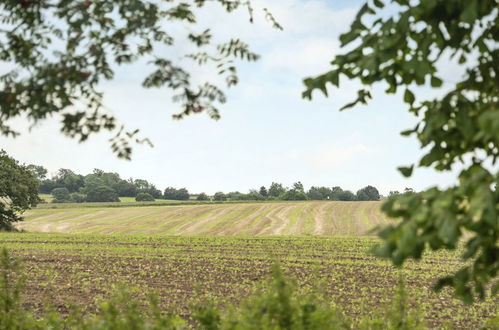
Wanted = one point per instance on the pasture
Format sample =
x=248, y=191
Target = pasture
x=269, y=218
x=183, y=271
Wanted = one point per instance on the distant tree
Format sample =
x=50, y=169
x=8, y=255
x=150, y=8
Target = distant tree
x=368, y=193
x=254, y=195
x=263, y=191
x=68, y=179
x=298, y=186
x=319, y=193
x=294, y=194
x=102, y=194
x=362, y=195
x=202, y=197
x=144, y=197
x=336, y=192
x=40, y=172
x=18, y=190
x=176, y=194
x=393, y=193
x=61, y=195
x=78, y=197
x=346, y=195
x=125, y=188
x=276, y=190
x=47, y=185
x=182, y=194
x=219, y=196
x=236, y=196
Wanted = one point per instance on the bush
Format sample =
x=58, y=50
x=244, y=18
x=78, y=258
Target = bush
x=219, y=196
x=61, y=195
x=102, y=194
x=144, y=197
x=181, y=194
x=78, y=197
x=294, y=195
x=202, y=197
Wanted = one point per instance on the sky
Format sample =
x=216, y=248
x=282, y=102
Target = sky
x=267, y=132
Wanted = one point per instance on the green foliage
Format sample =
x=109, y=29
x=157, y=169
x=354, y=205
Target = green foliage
x=61, y=195
x=368, y=193
x=402, y=45
x=319, y=193
x=276, y=190
x=102, y=194
x=181, y=194
x=40, y=172
x=18, y=190
x=78, y=198
x=144, y=197
x=61, y=51
x=277, y=307
x=263, y=191
x=346, y=195
x=202, y=197
x=219, y=196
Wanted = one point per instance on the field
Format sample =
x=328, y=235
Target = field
x=283, y=218
x=66, y=268
x=186, y=252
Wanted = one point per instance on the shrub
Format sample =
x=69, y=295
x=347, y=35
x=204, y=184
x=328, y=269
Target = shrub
x=144, y=197
x=78, y=197
x=61, y=195
x=102, y=194
x=219, y=196
x=202, y=197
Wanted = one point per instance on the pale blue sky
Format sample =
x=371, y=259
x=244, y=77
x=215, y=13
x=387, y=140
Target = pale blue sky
x=267, y=132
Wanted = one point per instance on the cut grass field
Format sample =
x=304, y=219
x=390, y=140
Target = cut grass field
x=64, y=269
x=271, y=218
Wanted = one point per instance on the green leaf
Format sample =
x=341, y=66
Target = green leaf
x=436, y=82
x=406, y=171
x=408, y=97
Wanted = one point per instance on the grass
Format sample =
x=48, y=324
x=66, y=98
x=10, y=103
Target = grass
x=186, y=270
x=276, y=218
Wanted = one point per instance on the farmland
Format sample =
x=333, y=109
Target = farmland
x=183, y=270
x=271, y=218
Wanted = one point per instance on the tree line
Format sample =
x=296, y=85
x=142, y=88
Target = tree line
x=99, y=186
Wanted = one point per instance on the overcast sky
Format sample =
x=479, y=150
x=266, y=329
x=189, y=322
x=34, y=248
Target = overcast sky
x=267, y=131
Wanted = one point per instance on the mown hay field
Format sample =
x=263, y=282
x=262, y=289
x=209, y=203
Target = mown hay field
x=63, y=269
x=279, y=218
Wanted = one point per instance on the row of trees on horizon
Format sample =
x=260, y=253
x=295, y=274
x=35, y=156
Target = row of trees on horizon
x=99, y=186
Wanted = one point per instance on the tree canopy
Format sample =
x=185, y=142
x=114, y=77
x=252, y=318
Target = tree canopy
x=18, y=190
x=403, y=44
x=58, y=53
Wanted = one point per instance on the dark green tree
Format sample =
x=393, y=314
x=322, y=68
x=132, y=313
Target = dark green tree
x=144, y=197
x=263, y=191
x=78, y=197
x=368, y=193
x=202, y=197
x=346, y=195
x=402, y=45
x=61, y=195
x=18, y=190
x=102, y=194
x=57, y=54
x=40, y=172
x=219, y=196
x=181, y=194
x=276, y=190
